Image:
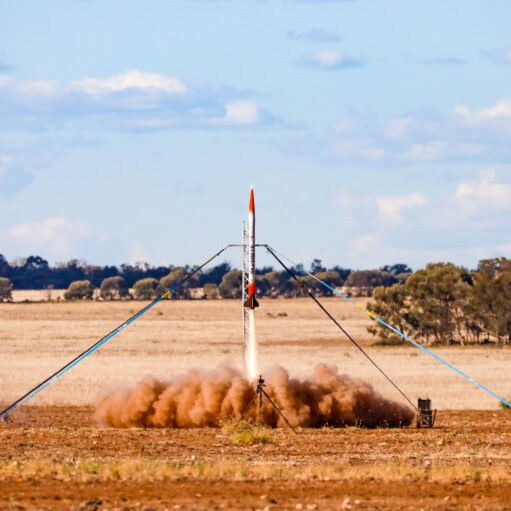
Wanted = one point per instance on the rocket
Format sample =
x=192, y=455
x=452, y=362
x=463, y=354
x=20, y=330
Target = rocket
x=251, y=301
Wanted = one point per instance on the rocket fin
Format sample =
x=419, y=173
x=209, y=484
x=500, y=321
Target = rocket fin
x=251, y=302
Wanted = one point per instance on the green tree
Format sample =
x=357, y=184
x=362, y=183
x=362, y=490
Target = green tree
x=146, y=289
x=438, y=297
x=431, y=306
x=79, y=290
x=5, y=289
x=230, y=287
x=490, y=305
x=391, y=304
x=114, y=288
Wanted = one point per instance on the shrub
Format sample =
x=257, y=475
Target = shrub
x=79, y=290
x=246, y=432
x=230, y=287
x=5, y=289
x=173, y=278
x=211, y=291
x=146, y=289
x=114, y=288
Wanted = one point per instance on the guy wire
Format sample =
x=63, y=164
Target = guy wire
x=307, y=291
x=6, y=412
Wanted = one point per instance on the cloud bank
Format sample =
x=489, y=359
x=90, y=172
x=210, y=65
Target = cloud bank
x=460, y=135
x=134, y=100
x=57, y=238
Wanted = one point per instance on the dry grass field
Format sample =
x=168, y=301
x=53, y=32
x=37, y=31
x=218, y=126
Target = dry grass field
x=56, y=457
x=37, y=295
x=38, y=338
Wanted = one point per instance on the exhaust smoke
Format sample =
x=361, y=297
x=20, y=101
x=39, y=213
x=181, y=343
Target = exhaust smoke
x=206, y=398
x=252, y=362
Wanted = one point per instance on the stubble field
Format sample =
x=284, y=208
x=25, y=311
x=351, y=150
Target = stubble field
x=53, y=456
x=38, y=338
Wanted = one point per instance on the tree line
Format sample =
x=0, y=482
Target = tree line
x=142, y=281
x=448, y=304
x=439, y=304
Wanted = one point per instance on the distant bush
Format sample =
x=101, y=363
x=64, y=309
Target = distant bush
x=114, y=288
x=230, y=287
x=366, y=280
x=146, y=289
x=211, y=291
x=5, y=289
x=79, y=290
x=173, y=278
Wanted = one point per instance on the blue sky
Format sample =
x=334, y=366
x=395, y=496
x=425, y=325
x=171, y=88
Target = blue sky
x=373, y=132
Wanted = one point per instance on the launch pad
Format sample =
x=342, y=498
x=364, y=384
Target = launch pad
x=259, y=395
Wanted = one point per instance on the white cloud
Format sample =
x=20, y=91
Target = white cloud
x=130, y=80
x=462, y=221
x=331, y=60
x=422, y=137
x=485, y=193
x=390, y=209
x=134, y=100
x=56, y=236
x=238, y=113
x=501, y=110
x=241, y=112
x=37, y=88
x=328, y=58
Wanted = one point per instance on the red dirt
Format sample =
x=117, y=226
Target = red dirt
x=481, y=440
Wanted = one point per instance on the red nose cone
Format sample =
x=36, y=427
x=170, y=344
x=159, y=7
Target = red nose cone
x=251, y=207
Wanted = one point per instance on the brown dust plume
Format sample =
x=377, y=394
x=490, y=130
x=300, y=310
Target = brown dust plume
x=206, y=398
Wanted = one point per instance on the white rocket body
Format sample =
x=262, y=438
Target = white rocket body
x=251, y=302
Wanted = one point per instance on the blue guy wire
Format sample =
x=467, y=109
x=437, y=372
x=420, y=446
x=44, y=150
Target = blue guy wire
x=407, y=338
x=5, y=413
x=90, y=351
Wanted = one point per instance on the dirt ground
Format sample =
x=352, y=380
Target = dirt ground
x=57, y=458
x=53, y=456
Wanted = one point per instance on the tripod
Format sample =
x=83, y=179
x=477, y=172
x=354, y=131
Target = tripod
x=258, y=397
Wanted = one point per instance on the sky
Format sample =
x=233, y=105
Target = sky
x=373, y=132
